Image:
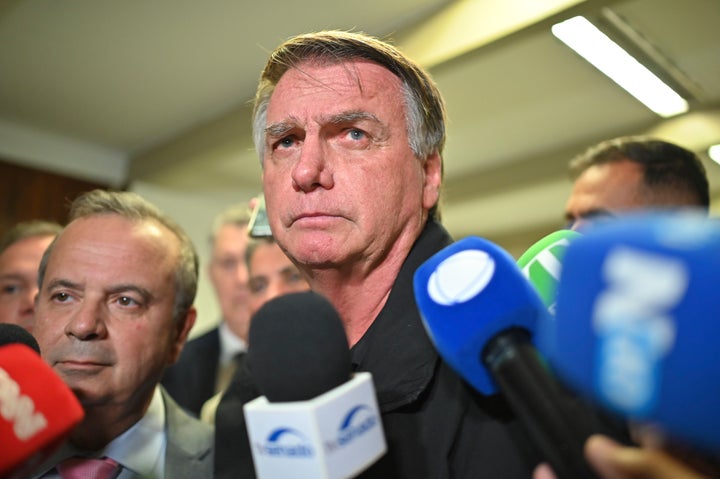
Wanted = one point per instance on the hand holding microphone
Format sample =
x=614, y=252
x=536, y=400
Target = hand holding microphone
x=616, y=461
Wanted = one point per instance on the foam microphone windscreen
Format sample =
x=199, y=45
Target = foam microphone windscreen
x=12, y=334
x=298, y=348
x=37, y=410
x=467, y=294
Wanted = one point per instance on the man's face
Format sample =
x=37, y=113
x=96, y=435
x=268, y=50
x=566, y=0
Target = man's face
x=341, y=184
x=104, y=312
x=229, y=276
x=18, y=280
x=604, y=190
x=272, y=274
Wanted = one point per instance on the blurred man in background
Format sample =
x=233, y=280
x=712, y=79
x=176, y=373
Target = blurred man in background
x=208, y=361
x=621, y=175
x=271, y=274
x=21, y=249
x=630, y=173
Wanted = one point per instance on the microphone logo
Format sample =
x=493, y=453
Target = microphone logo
x=460, y=277
x=358, y=421
x=19, y=409
x=635, y=328
x=543, y=271
x=287, y=442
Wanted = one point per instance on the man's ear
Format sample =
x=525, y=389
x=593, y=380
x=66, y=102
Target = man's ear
x=182, y=329
x=432, y=169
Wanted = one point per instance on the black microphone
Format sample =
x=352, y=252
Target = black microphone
x=14, y=334
x=315, y=419
x=298, y=348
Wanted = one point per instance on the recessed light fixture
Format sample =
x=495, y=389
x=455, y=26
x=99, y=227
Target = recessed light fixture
x=714, y=153
x=608, y=57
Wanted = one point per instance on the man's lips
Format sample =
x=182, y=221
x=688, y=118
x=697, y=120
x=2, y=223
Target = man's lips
x=315, y=219
x=82, y=363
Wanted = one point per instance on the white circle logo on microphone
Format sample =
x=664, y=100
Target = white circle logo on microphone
x=461, y=277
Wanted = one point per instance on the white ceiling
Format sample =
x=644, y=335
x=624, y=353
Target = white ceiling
x=157, y=91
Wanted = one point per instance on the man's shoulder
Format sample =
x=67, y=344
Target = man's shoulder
x=180, y=421
x=207, y=343
x=190, y=443
x=210, y=337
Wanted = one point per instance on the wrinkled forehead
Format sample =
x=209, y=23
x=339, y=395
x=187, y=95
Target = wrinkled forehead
x=335, y=75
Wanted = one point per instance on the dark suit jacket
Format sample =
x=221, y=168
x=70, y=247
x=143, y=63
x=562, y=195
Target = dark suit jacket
x=191, y=380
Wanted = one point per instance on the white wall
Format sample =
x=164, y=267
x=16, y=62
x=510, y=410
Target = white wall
x=38, y=149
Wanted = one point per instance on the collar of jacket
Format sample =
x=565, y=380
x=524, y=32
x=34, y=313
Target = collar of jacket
x=396, y=349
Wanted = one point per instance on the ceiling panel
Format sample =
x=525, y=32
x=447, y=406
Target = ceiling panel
x=164, y=85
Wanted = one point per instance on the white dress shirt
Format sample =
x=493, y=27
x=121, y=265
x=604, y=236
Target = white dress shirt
x=140, y=449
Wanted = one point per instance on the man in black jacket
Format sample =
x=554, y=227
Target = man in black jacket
x=350, y=133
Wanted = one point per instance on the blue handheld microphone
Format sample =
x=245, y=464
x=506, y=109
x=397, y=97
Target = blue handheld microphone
x=637, y=320
x=481, y=314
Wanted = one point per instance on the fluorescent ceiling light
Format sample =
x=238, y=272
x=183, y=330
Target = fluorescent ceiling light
x=714, y=153
x=607, y=56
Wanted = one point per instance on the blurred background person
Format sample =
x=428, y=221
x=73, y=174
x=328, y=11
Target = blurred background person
x=629, y=173
x=208, y=361
x=271, y=274
x=616, y=176
x=21, y=249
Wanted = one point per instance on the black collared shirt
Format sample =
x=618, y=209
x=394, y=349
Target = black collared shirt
x=435, y=424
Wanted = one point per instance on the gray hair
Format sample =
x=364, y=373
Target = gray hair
x=28, y=229
x=235, y=215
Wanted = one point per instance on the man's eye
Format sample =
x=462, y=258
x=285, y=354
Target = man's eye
x=10, y=289
x=127, y=301
x=286, y=142
x=229, y=264
x=356, y=134
x=60, y=297
x=257, y=285
x=296, y=278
